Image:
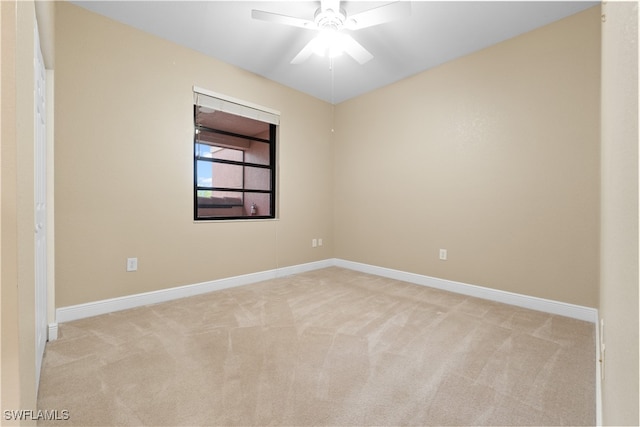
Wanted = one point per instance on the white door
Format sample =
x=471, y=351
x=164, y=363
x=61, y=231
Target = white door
x=40, y=168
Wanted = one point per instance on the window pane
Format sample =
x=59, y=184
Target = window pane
x=220, y=175
x=216, y=139
x=261, y=203
x=211, y=152
x=204, y=173
x=233, y=163
x=227, y=154
x=215, y=119
x=211, y=211
x=257, y=178
x=227, y=176
x=208, y=198
x=258, y=152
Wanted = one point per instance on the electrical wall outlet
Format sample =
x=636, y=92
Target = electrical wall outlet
x=314, y=243
x=443, y=254
x=320, y=242
x=132, y=264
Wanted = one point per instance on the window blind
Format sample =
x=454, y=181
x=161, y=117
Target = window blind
x=214, y=101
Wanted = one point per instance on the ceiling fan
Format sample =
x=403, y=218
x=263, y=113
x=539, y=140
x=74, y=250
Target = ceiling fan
x=330, y=20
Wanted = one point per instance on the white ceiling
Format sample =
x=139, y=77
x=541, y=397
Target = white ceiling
x=436, y=32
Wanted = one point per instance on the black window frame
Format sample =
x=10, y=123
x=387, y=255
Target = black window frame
x=271, y=141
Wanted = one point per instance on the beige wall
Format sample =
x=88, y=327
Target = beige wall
x=619, y=268
x=16, y=203
x=491, y=156
x=494, y=157
x=124, y=171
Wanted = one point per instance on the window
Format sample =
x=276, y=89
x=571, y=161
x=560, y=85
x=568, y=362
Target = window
x=234, y=159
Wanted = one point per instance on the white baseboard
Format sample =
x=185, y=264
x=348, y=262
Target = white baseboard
x=95, y=308
x=302, y=268
x=598, y=375
x=81, y=311
x=52, y=333
x=534, y=303
x=540, y=304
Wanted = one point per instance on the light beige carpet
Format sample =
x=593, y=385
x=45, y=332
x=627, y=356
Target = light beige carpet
x=328, y=347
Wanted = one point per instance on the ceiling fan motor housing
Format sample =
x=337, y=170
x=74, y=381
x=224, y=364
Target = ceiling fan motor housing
x=330, y=19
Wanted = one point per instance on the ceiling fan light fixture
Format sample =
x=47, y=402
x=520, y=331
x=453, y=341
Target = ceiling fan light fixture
x=335, y=51
x=329, y=43
x=330, y=19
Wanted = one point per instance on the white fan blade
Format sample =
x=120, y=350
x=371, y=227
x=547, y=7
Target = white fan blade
x=355, y=49
x=305, y=53
x=282, y=19
x=379, y=15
